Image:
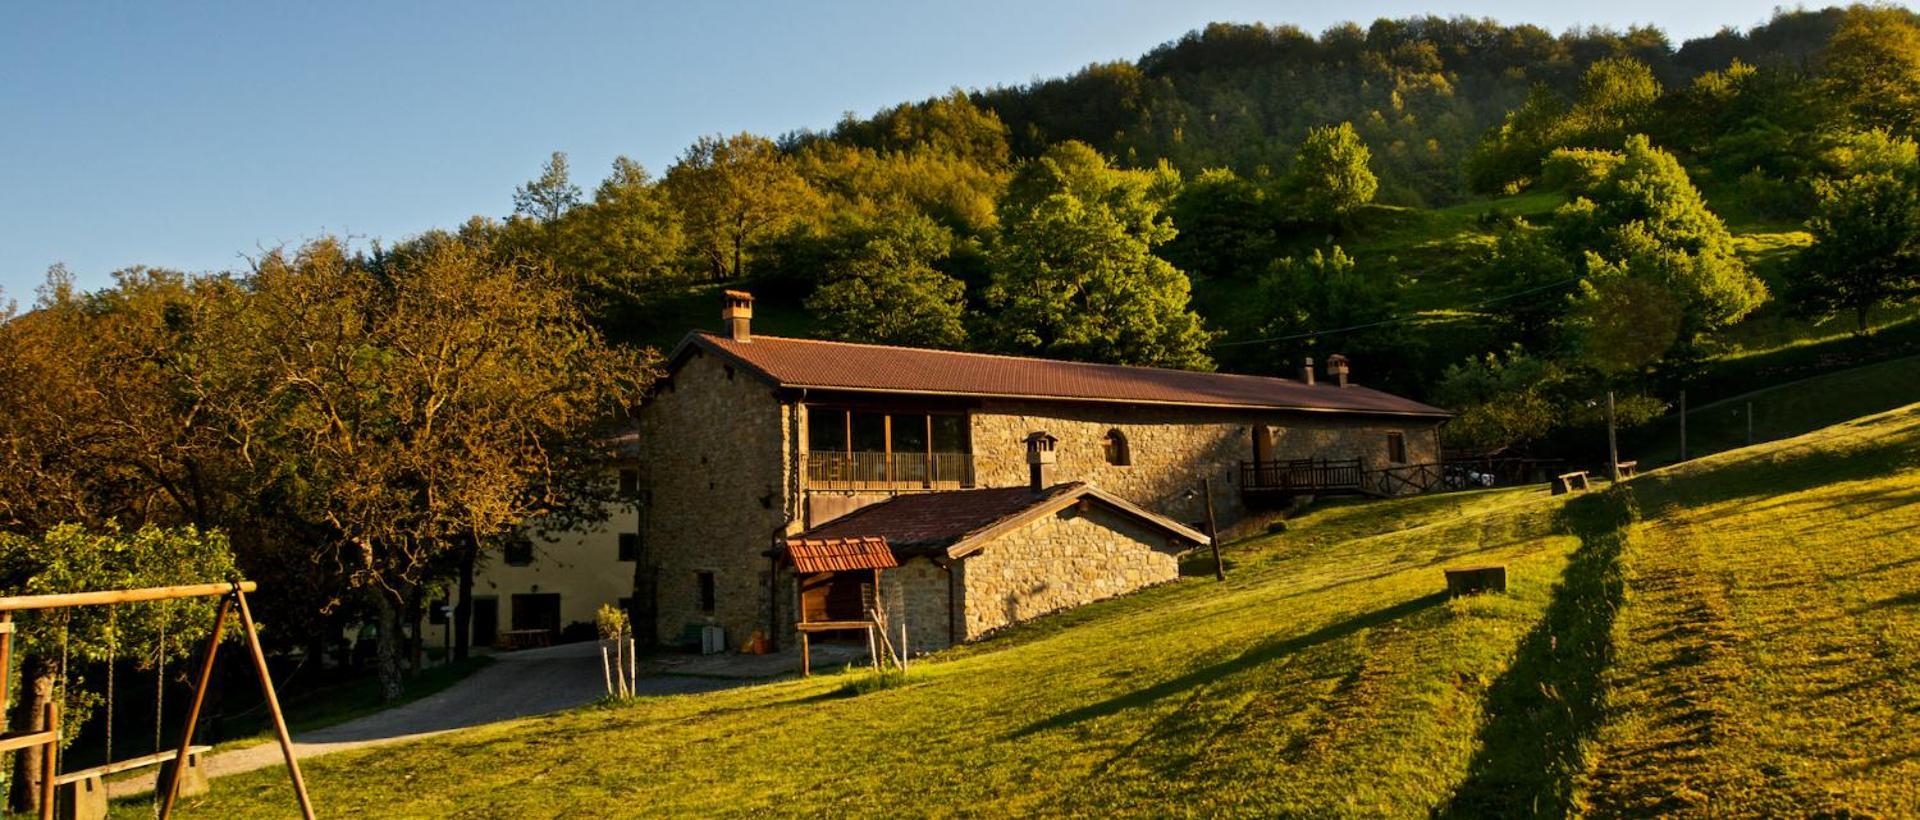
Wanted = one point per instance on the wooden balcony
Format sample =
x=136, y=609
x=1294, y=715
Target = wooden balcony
x=831, y=470
x=1302, y=476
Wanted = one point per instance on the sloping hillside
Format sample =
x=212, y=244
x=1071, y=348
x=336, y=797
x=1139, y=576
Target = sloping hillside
x=1738, y=632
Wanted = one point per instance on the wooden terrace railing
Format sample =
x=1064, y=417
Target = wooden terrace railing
x=833, y=470
x=1301, y=475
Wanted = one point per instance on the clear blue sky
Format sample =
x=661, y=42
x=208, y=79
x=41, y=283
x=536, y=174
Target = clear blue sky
x=185, y=135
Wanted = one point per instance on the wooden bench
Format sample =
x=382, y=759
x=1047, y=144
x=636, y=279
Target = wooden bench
x=1475, y=580
x=83, y=793
x=1568, y=482
x=1628, y=468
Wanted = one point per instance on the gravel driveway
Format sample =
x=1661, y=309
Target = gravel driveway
x=515, y=685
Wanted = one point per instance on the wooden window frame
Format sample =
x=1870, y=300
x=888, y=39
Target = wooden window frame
x=1397, y=447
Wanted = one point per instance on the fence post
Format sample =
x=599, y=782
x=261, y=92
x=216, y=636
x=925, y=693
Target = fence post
x=1749, y=424
x=1683, y=425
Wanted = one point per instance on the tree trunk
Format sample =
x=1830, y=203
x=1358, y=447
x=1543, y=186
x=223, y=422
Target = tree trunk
x=29, y=714
x=386, y=648
x=463, y=613
x=414, y=646
x=1860, y=320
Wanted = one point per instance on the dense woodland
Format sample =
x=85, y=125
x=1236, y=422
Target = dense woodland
x=364, y=424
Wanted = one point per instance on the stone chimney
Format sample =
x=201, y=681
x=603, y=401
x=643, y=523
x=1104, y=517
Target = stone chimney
x=1337, y=368
x=1040, y=460
x=1306, y=371
x=736, y=315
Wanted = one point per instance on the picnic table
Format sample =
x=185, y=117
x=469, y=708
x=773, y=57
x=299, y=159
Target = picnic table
x=525, y=639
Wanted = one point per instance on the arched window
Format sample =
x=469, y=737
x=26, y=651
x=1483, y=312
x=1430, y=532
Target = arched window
x=1115, y=447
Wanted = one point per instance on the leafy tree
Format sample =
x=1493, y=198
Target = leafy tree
x=1302, y=299
x=1872, y=65
x=1074, y=272
x=732, y=192
x=1615, y=98
x=885, y=287
x=1648, y=220
x=615, y=251
x=1866, y=246
x=1527, y=264
x=72, y=558
x=1330, y=177
x=1621, y=322
x=549, y=196
x=422, y=400
x=1502, y=400
x=1226, y=227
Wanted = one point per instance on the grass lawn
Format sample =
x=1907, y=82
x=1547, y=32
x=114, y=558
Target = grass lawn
x=1768, y=658
x=1786, y=410
x=1737, y=634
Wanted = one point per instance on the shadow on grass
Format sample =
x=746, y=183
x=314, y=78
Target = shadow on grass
x=1266, y=652
x=1551, y=698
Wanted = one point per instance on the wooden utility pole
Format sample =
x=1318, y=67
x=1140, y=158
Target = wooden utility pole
x=1213, y=531
x=1683, y=425
x=1613, y=443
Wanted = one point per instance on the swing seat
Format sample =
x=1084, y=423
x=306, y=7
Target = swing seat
x=83, y=793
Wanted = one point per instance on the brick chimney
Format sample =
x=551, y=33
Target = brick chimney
x=736, y=315
x=1337, y=368
x=1306, y=371
x=1040, y=460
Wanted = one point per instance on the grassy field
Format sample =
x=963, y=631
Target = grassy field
x=1783, y=411
x=1737, y=634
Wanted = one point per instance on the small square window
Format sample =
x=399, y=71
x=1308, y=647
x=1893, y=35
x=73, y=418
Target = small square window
x=1397, y=448
x=629, y=546
x=519, y=551
x=629, y=483
x=706, y=591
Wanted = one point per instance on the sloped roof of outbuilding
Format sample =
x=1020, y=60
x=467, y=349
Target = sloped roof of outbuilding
x=840, y=554
x=956, y=523
x=847, y=366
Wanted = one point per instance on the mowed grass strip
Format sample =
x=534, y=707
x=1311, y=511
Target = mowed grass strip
x=1768, y=656
x=1325, y=677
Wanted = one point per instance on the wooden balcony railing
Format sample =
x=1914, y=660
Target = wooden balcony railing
x=831, y=470
x=1301, y=475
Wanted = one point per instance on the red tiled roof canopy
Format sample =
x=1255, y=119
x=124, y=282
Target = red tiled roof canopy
x=837, y=554
x=931, y=523
x=880, y=368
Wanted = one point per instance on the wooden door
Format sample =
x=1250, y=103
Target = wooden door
x=538, y=610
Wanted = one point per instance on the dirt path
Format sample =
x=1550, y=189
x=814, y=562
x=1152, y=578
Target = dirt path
x=515, y=685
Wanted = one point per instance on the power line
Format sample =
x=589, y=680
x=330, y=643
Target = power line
x=1396, y=320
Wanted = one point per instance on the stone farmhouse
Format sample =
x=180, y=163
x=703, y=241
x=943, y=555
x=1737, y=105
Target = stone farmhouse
x=789, y=484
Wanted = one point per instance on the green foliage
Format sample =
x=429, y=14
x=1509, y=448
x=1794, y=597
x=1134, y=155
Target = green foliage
x=884, y=287
x=1623, y=323
x=1872, y=67
x=611, y=622
x=1330, y=177
x=1648, y=220
x=551, y=195
x=1874, y=151
x=72, y=558
x=615, y=251
x=1321, y=291
x=1615, y=98
x=1866, y=250
x=733, y=192
x=1526, y=262
x=1226, y=227
x=1502, y=400
x=1578, y=170
x=1074, y=272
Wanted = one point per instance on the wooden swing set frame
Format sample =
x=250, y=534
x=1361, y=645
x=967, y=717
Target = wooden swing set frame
x=233, y=595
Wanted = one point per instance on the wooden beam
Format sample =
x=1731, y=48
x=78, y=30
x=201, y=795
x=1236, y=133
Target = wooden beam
x=273, y=706
x=171, y=789
x=18, y=603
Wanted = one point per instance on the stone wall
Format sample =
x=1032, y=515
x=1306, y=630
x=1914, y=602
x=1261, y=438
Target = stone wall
x=720, y=488
x=1065, y=559
x=917, y=592
x=1172, y=448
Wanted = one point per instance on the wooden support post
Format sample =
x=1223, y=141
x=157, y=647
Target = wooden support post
x=172, y=786
x=1613, y=444
x=49, y=760
x=273, y=706
x=1683, y=425
x=806, y=656
x=1213, y=531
